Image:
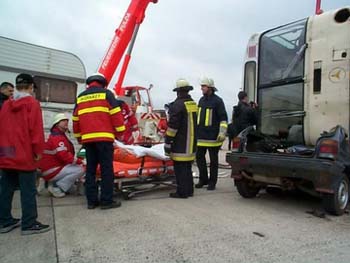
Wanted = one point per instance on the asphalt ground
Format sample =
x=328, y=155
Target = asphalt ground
x=212, y=226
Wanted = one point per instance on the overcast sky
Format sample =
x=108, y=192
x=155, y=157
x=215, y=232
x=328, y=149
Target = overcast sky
x=178, y=38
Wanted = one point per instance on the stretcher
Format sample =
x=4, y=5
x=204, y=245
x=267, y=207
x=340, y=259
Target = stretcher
x=140, y=169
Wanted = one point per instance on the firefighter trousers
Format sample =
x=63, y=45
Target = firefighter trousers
x=184, y=178
x=99, y=153
x=202, y=164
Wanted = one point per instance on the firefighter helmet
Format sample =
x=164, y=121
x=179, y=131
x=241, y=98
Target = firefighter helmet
x=182, y=84
x=57, y=118
x=98, y=77
x=208, y=82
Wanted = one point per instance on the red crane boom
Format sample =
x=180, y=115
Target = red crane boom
x=126, y=31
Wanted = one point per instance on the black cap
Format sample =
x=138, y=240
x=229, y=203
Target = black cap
x=24, y=79
x=5, y=84
x=242, y=95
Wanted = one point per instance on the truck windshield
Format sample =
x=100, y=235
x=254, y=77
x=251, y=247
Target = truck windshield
x=282, y=53
x=280, y=83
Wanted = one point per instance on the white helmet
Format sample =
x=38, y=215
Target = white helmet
x=208, y=82
x=182, y=84
x=57, y=118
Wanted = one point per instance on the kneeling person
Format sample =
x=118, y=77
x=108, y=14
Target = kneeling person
x=59, y=166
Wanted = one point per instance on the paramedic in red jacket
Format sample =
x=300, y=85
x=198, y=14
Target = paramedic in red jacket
x=130, y=122
x=21, y=146
x=97, y=121
x=59, y=166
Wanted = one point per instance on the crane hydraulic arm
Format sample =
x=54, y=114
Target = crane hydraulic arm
x=125, y=33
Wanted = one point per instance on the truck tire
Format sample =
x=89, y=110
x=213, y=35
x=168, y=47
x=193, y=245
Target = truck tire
x=336, y=203
x=246, y=188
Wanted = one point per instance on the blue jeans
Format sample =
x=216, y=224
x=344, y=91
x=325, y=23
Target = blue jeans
x=8, y=184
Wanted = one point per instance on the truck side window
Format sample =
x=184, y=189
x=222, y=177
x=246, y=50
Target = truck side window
x=317, y=76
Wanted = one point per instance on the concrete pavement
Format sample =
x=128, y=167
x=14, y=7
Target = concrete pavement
x=212, y=226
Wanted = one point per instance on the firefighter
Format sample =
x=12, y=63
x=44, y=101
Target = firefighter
x=59, y=166
x=97, y=121
x=180, y=138
x=212, y=126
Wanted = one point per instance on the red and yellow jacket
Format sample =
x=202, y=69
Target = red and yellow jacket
x=58, y=152
x=97, y=116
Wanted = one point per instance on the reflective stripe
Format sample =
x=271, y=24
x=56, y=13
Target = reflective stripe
x=199, y=115
x=76, y=135
x=91, y=97
x=207, y=116
x=97, y=135
x=53, y=152
x=120, y=128
x=191, y=108
x=208, y=143
x=114, y=111
x=51, y=170
x=171, y=132
x=223, y=124
x=75, y=118
x=93, y=109
x=182, y=157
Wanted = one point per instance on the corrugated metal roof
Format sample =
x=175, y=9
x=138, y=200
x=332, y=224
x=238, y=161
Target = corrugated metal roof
x=21, y=56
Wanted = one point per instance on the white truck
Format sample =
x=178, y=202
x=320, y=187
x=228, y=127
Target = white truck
x=299, y=75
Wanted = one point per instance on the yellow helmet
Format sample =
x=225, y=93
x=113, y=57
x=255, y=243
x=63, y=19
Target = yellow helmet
x=183, y=84
x=57, y=118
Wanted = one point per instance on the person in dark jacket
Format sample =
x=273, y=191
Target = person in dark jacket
x=244, y=114
x=21, y=147
x=97, y=121
x=230, y=134
x=180, y=138
x=212, y=127
x=6, y=91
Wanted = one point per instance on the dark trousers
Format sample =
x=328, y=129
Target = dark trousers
x=99, y=153
x=184, y=178
x=202, y=164
x=229, y=143
x=9, y=182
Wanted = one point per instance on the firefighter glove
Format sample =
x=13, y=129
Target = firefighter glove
x=221, y=137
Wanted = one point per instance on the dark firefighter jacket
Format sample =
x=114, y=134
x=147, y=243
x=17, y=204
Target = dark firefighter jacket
x=212, y=120
x=97, y=116
x=181, y=134
x=243, y=116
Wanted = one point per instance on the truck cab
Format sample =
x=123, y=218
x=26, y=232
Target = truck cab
x=299, y=75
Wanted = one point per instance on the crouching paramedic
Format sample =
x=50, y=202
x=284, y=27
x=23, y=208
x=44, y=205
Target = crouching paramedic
x=97, y=121
x=59, y=166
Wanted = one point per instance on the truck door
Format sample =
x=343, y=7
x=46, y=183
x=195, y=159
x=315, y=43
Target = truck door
x=280, y=86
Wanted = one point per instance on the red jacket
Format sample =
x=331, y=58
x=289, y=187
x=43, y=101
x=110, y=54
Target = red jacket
x=59, y=151
x=162, y=126
x=130, y=123
x=97, y=116
x=21, y=133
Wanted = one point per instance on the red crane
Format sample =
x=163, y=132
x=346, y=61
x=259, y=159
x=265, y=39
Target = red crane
x=125, y=35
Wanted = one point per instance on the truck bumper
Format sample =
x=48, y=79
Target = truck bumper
x=324, y=174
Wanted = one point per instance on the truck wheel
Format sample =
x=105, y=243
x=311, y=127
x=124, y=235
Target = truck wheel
x=337, y=202
x=247, y=188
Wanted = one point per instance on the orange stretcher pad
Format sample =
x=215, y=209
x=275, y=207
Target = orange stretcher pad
x=127, y=165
